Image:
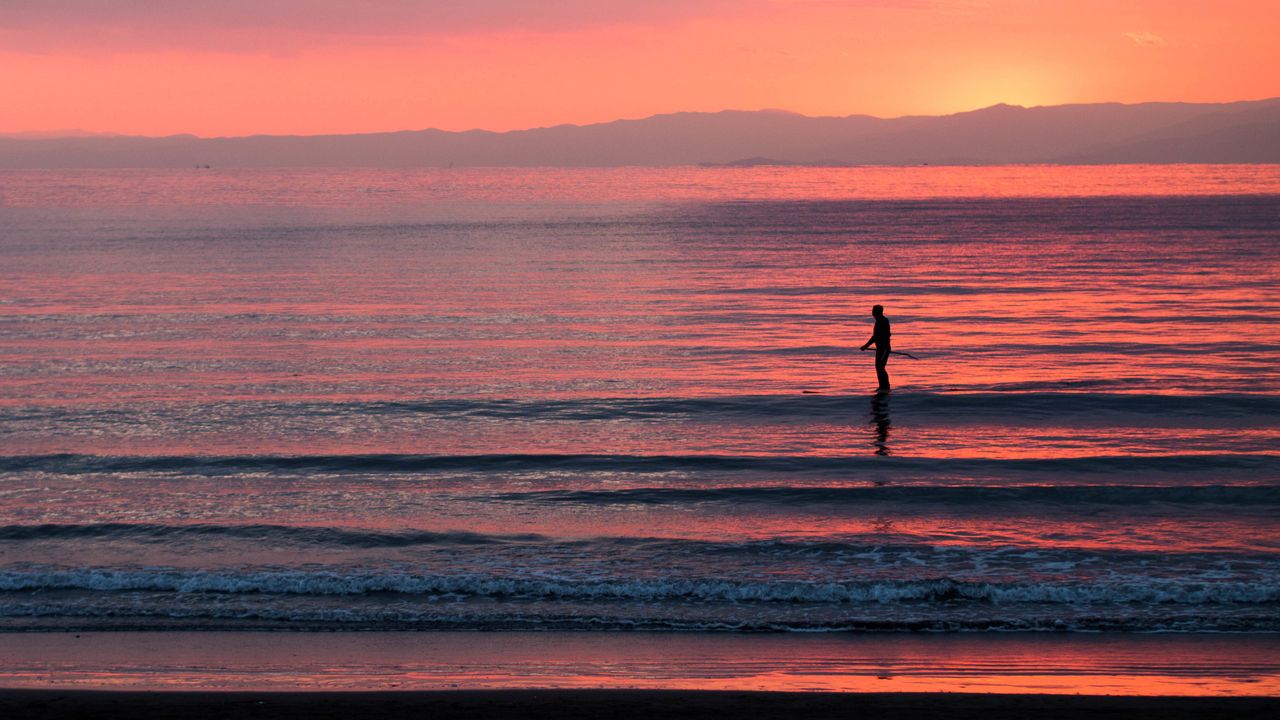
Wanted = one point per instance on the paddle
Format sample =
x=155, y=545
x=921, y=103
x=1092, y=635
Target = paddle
x=898, y=352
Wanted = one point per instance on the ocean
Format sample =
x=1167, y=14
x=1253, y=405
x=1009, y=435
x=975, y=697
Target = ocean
x=633, y=399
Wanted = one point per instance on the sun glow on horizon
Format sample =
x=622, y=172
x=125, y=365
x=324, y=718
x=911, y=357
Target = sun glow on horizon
x=1018, y=86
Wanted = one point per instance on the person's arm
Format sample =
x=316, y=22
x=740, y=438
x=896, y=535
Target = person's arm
x=870, y=340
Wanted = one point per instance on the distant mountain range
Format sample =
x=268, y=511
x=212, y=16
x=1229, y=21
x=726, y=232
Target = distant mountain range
x=1240, y=132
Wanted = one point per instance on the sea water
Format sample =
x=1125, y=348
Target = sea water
x=633, y=399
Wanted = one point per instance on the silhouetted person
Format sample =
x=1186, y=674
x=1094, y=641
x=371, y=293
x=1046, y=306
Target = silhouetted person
x=880, y=337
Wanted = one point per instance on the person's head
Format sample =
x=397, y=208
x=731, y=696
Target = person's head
x=877, y=311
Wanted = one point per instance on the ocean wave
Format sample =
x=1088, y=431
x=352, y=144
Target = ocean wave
x=1145, y=590
x=76, y=616
x=1240, y=409
x=1261, y=465
x=957, y=495
x=275, y=533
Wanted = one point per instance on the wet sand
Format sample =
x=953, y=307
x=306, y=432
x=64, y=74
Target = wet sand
x=617, y=704
x=870, y=664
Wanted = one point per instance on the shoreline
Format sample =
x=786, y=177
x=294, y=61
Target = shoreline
x=618, y=704
x=1100, y=664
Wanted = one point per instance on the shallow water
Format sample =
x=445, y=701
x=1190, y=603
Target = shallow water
x=633, y=399
x=1081, y=664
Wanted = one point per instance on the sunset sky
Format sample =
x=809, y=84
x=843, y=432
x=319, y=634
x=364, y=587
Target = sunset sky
x=235, y=67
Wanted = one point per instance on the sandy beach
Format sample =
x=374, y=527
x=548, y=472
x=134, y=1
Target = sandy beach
x=619, y=704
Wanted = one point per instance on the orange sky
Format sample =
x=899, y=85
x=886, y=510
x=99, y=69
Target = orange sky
x=236, y=67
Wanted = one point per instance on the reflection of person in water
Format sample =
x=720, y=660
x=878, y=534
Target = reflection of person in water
x=880, y=422
x=880, y=338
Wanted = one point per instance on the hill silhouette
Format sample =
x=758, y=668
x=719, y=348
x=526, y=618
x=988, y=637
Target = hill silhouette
x=1239, y=132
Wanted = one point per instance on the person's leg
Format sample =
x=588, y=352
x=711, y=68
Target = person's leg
x=882, y=357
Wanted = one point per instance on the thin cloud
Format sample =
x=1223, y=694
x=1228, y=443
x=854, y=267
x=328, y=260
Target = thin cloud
x=1143, y=38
